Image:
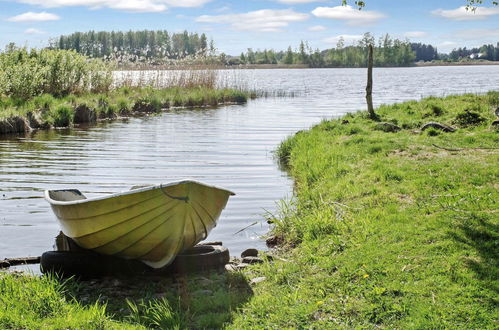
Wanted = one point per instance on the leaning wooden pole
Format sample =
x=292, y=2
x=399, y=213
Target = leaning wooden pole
x=369, y=88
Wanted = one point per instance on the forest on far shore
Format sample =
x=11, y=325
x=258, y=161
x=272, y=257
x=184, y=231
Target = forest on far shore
x=162, y=47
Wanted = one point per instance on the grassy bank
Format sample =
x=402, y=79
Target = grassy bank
x=46, y=111
x=388, y=229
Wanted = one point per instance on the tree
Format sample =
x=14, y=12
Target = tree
x=251, y=59
x=369, y=87
x=302, y=56
x=288, y=59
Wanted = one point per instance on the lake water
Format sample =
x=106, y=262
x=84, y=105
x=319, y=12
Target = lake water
x=231, y=147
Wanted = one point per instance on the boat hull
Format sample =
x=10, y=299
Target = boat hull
x=151, y=224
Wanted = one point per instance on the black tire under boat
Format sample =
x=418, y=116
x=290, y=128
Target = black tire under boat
x=89, y=264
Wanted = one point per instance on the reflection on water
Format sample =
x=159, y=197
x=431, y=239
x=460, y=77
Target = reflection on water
x=230, y=147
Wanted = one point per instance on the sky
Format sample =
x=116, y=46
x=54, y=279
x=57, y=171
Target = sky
x=258, y=24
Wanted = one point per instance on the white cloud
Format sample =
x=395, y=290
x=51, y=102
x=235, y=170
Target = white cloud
x=461, y=14
x=349, y=14
x=316, y=28
x=415, y=34
x=347, y=38
x=33, y=31
x=125, y=5
x=33, y=17
x=265, y=20
x=474, y=34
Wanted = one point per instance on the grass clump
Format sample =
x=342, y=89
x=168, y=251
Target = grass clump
x=62, y=115
x=28, y=302
x=385, y=229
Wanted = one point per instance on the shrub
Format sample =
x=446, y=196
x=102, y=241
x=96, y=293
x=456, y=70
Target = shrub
x=25, y=74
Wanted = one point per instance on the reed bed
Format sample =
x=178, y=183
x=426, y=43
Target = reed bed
x=59, y=88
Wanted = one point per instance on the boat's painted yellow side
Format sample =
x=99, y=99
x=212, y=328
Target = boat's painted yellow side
x=152, y=224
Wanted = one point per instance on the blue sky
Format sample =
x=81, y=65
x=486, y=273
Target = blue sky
x=237, y=25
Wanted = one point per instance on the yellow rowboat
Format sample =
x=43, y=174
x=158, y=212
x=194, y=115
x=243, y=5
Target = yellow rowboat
x=152, y=224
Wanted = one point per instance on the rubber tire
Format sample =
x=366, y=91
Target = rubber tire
x=201, y=258
x=88, y=264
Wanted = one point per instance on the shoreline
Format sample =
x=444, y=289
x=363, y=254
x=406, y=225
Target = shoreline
x=47, y=112
x=293, y=66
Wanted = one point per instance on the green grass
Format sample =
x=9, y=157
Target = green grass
x=387, y=230
x=28, y=302
x=59, y=112
x=196, y=301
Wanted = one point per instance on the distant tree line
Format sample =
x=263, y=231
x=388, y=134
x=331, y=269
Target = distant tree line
x=160, y=47
x=389, y=52
x=485, y=52
x=135, y=45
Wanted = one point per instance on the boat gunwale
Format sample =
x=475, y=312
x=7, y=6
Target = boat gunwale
x=124, y=193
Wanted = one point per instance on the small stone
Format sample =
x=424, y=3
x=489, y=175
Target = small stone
x=249, y=253
x=497, y=112
x=252, y=260
x=344, y=122
x=4, y=264
x=495, y=124
x=258, y=280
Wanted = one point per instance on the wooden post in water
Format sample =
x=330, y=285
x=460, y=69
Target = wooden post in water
x=369, y=88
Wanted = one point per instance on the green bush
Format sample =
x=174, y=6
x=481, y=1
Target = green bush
x=28, y=73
